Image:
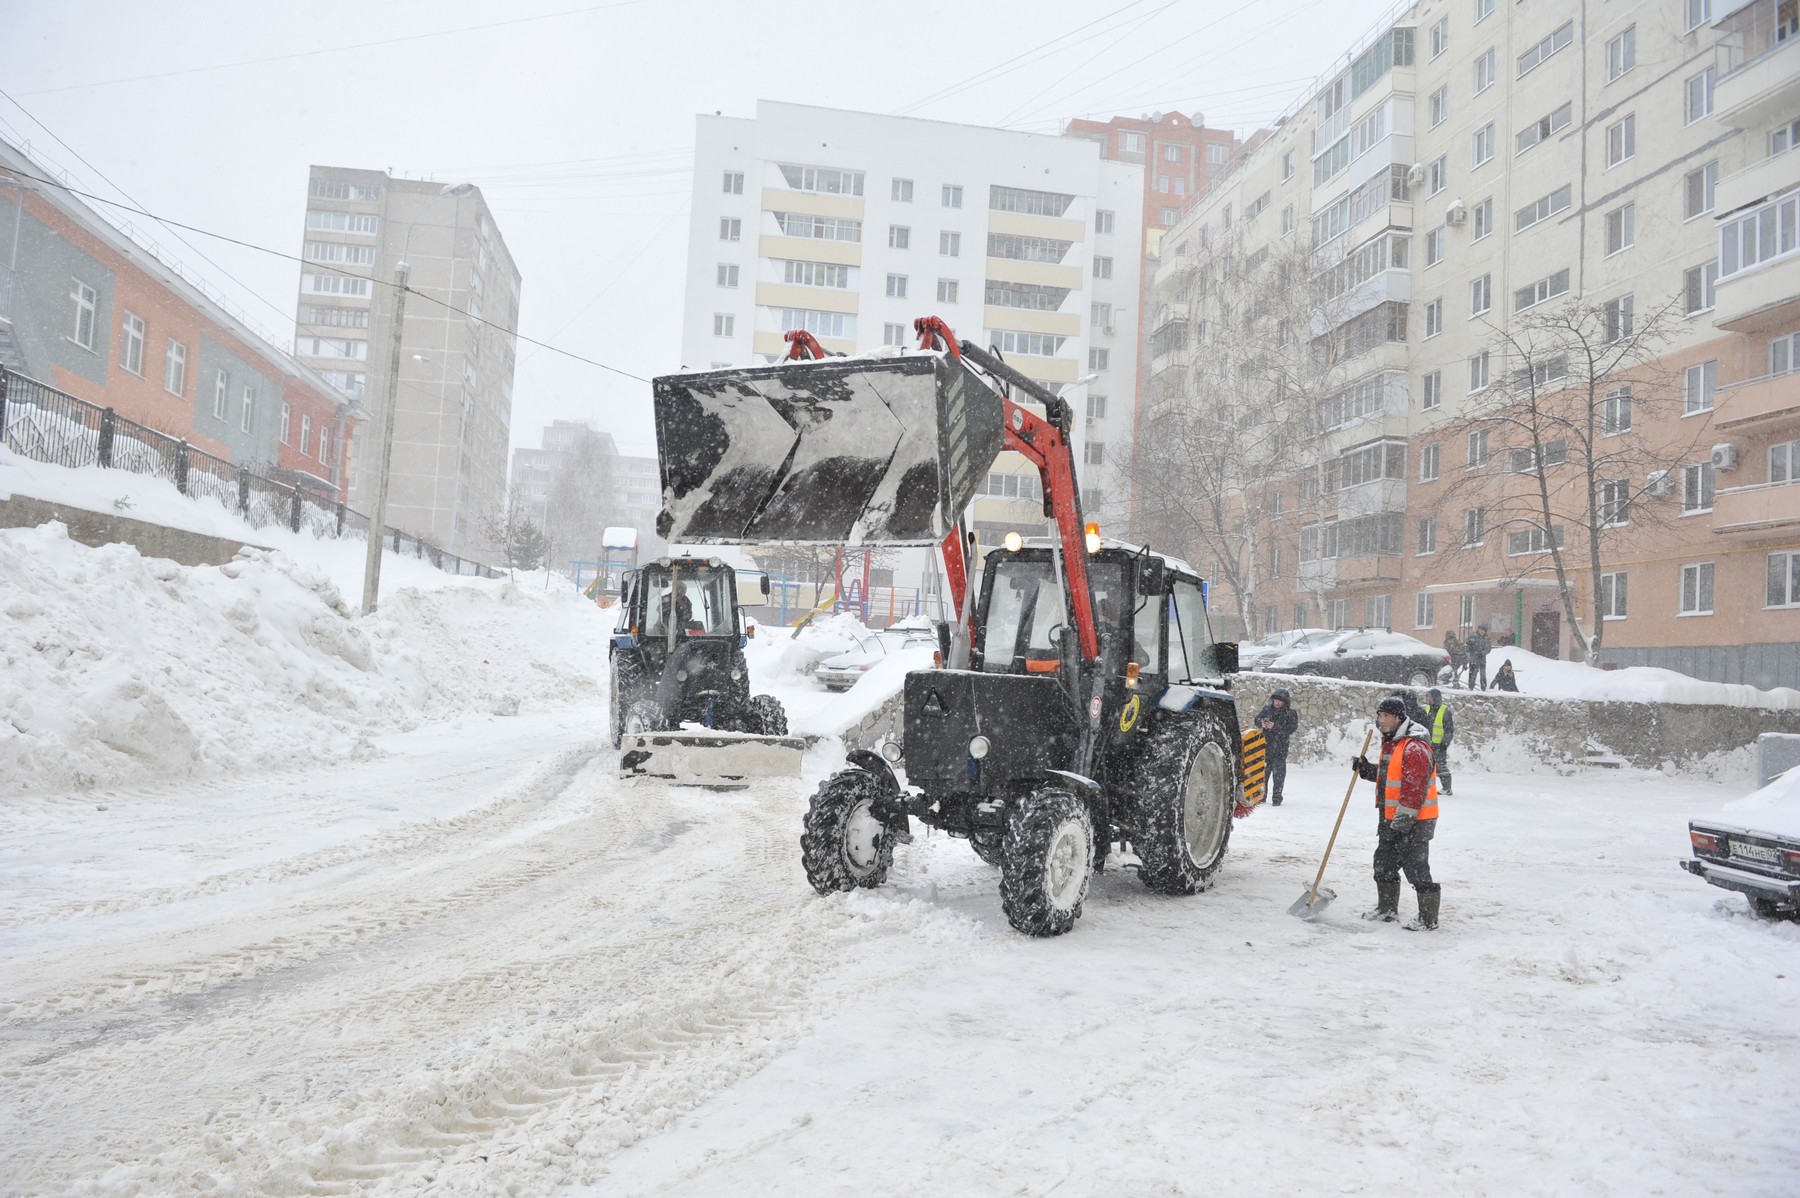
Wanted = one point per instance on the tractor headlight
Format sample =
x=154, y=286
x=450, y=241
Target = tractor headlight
x=978, y=748
x=681, y=675
x=890, y=749
x=736, y=674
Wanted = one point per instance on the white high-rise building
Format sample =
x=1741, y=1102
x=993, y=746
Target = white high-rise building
x=852, y=225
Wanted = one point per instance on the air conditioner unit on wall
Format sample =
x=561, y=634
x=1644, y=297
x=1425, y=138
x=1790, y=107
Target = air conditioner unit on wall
x=1657, y=483
x=1415, y=174
x=1455, y=214
x=1107, y=329
x=1724, y=456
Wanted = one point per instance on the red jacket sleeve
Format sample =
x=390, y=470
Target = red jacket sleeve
x=1415, y=774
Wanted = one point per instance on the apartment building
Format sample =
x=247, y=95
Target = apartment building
x=634, y=486
x=851, y=225
x=453, y=414
x=1474, y=172
x=92, y=312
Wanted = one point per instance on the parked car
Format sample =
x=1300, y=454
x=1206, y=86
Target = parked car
x=1753, y=847
x=1259, y=653
x=843, y=671
x=1367, y=655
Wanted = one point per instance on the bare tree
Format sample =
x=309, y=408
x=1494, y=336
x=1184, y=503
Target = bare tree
x=580, y=503
x=1579, y=429
x=520, y=542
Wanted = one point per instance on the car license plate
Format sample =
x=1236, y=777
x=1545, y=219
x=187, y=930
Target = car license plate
x=1754, y=852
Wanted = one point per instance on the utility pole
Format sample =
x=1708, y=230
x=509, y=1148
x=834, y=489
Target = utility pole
x=384, y=452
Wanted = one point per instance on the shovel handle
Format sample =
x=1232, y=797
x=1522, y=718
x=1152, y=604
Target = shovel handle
x=1348, y=791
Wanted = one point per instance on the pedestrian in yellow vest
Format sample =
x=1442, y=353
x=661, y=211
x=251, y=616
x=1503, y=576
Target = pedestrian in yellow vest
x=1407, y=799
x=1443, y=731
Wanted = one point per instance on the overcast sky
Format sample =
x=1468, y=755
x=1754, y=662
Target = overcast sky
x=577, y=121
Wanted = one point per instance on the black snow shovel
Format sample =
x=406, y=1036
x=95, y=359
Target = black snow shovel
x=1313, y=900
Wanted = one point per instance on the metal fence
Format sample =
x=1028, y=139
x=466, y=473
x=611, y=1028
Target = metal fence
x=46, y=425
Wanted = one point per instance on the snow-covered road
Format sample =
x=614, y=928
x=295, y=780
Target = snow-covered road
x=481, y=963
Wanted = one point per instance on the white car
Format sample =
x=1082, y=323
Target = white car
x=1260, y=652
x=842, y=672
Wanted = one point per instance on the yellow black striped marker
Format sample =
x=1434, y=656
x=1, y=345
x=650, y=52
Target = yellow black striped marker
x=1256, y=766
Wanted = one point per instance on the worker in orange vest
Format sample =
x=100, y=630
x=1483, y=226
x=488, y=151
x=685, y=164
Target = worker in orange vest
x=1407, y=799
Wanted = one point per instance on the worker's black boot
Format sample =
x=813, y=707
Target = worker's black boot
x=1443, y=782
x=1387, y=902
x=1427, y=919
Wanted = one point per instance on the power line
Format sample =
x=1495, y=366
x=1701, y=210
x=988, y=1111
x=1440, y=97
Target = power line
x=263, y=249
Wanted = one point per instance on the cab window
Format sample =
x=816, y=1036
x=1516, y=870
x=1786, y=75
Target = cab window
x=1190, y=634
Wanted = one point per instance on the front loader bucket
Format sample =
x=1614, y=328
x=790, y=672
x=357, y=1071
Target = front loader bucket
x=840, y=451
x=704, y=757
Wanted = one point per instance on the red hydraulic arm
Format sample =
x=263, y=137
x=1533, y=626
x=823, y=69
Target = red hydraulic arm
x=803, y=345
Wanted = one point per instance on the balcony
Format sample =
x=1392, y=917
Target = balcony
x=1757, y=511
x=1762, y=89
x=1766, y=402
x=1357, y=571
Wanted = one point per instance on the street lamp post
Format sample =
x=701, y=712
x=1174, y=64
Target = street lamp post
x=384, y=451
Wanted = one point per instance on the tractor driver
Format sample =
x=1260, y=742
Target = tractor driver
x=683, y=609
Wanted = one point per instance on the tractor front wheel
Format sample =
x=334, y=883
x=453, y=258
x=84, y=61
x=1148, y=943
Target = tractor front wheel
x=627, y=679
x=767, y=716
x=1046, y=860
x=1187, y=793
x=845, y=846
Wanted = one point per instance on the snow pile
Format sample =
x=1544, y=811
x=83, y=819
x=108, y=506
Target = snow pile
x=1774, y=808
x=116, y=668
x=1548, y=678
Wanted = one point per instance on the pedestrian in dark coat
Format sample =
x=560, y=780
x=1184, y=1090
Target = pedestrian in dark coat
x=1459, y=661
x=1442, y=725
x=1478, y=646
x=1504, y=680
x=1410, y=701
x=1406, y=797
x=1278, y=721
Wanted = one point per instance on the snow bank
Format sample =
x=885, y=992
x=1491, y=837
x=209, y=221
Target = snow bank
x=1774, y=808
x=1548, y=678
x=116, y=669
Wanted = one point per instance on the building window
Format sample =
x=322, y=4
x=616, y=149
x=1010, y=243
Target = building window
x=1784, y=354
x=1697, y=589
x=1099, y=359
x=1171, y=153
x=1615, y=499
x=1542, y=208
x=1699, y=383
x=823, y=180
x=1698, y=192
x=1621, y=53
x=1617, y=315
x=1761, y=234
x=1103, y=268
x=1484, y=72
x=1378, y=611
x=1786, y=137
x=899, y=237
x=1440, y=37
x=1434, y=246
x=85, y=304
x=1096, y=410
x=724, y=324
x=1621, y=140
x=1700, y=94
x=950, y=245
x=1483, y=10
x=219, y=388
x=1621, y=228
x=1287, y=220
x=1434, y=318
x=1784, y=580
x=1547, y=288
x=1612, y=596
x=946, y=291
x=731, y=228
x=1481, y=295
x=896, y=286
x=131, y=343
x=1615, y=412
x=1423, y=609
x=952, y=195
x=1437, y=175
x=175, y=368
x=1431, y=390
x=287, y=424
x=1093, y=453
x=1484, y=218
x=1481, y=147
x=1699, y=12
x=728, y=275
x=249, y=408
x=305, y=432
x=1478, y=371
x=1216, y=154
x=1287, y=166
x=1542, y=128
x=1475, y=526
x=734, y=183
x=1544, y=49
x=893, y=334
x=1100, y=316
x=1697, y=488
x=1169, y=217
x=901, y=191
x=324, y=441
x=1478, y=448
x=1427, y=536
x=1438, y=106
x=1103, y=221
x=343, y=189
x=1697, y=287
x=341, y=222
x=1131, y=143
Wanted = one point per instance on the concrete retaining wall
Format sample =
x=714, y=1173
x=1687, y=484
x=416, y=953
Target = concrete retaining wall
x=99, y=528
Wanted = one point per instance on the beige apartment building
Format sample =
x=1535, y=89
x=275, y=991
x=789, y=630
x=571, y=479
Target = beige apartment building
x=1476, y=174
x=453, y=414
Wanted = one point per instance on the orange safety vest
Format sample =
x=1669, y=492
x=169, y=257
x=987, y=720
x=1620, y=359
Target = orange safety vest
x=1390, y=804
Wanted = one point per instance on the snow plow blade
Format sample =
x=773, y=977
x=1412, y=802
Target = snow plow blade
x=717, y=759
x=839, y=451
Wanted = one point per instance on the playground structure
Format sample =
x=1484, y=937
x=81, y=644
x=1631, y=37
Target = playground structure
x=618, y=556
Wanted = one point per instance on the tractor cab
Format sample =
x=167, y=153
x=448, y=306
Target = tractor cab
x=675, y=599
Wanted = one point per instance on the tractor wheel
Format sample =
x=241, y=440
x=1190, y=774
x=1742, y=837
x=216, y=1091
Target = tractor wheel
x=989, y=845
x=1187, y=790
x=767, y=717
x=845, y=846
x=627, y=679
x=1046, y=860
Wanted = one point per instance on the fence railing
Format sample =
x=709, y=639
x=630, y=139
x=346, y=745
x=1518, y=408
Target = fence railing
x=46, y=425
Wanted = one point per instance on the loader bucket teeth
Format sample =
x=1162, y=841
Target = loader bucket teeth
x=843, y=451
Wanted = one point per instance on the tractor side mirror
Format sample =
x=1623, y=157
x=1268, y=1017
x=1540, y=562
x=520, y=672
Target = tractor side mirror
x=1226, y=653
x=1151, y=580
x=765, y=586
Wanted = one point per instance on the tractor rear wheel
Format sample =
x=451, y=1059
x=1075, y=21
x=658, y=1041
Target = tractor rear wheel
x=1046, y=860
x=989, y=845
x=767, y=716
x=627, y=679
x=1187, y=790
x=845, y=846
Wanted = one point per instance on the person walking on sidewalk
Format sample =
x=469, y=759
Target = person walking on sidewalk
x=1478, y=646
x=1407, y=800
x=1443, y=731
x=1278, y=721
x=1453, y=649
